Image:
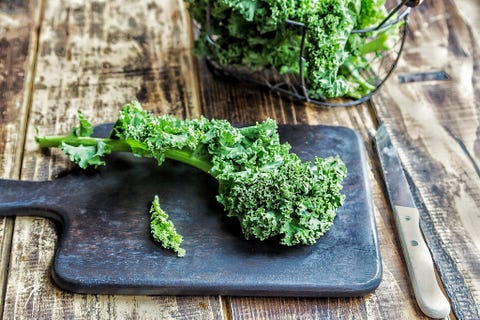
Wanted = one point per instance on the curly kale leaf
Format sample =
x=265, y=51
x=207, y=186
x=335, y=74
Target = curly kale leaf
x=292, y=200
x=163, y=230
x=84, y=155
x=330, y=23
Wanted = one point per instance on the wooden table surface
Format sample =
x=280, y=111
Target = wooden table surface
x=60, y=56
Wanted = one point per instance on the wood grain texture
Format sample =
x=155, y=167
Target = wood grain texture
x=14, y=66
x=436, y=128
x=17, y=48
x=394, y=297
x=96, y=56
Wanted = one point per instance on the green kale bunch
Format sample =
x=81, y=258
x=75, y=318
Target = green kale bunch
x=266, y=187
x=256, y=34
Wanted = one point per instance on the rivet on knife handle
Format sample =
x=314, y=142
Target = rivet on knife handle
x=419, y=263
x=430, y=297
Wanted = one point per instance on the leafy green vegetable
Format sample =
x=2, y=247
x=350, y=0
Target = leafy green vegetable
x=271, y=191
x=163, y=230
x=256, y=34
x=84, y=155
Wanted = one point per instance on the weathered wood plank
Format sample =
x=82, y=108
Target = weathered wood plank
x=394, y=298
x=435, y=126
x=17, y=20
x=96, y=56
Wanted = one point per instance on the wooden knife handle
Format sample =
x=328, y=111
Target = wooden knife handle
x=429, y=296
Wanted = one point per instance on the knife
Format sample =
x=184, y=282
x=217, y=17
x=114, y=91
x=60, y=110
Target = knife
x=428, y=294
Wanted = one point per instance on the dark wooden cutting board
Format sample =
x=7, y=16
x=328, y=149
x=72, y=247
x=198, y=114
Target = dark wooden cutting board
x=105, y=244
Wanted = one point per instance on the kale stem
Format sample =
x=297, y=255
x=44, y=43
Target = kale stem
x=188, y=158
x=117, y=145
x=56, y=141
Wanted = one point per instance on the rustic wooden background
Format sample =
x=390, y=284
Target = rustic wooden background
x=60, y=56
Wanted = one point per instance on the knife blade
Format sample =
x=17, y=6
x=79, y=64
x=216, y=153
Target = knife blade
x=428, y=294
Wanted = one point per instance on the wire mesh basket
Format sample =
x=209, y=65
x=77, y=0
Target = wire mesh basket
x=295, y=82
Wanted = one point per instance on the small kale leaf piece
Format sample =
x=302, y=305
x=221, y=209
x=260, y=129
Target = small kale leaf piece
x=82, y=154
x=84, y=129
x=86, y=156
x=163, y=230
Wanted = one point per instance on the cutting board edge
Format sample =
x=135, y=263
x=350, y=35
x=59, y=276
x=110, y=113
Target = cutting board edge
x=350, y=290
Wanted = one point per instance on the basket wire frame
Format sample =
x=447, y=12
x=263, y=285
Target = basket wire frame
x=294, y=86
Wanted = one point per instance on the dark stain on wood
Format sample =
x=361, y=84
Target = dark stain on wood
x=79, y=17
x=437, y=94
x=13, y=61
x=97, y=20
